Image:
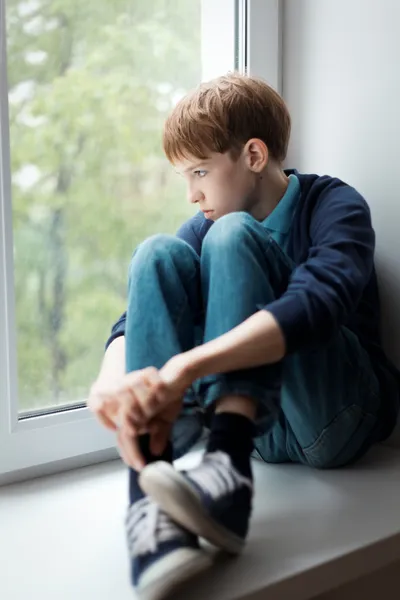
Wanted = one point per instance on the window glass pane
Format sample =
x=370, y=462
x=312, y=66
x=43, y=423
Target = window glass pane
x=90, y=84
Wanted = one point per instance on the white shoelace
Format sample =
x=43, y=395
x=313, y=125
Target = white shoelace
x=217, y=476
x=147, y=526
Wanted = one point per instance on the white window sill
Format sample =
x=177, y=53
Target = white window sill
x=63, y=536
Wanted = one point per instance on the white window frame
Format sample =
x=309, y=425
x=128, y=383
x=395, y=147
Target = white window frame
x=262, y=23
x=43, y=444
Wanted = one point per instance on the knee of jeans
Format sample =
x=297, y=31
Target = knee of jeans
x=157, y=247
x=231, y=229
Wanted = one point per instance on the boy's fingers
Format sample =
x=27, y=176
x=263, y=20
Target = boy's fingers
x=105, y=409
x=159, y=437
x=152, y=376
x=130, y=450
x=122, y=446
x=145, y=395
x=121, y=449
x=106, y=421
x=131, y=425
x=131, y=409
x=127, y=425
x=151, y=391
x=148, y=389
x=135, y=414
x=105, y=402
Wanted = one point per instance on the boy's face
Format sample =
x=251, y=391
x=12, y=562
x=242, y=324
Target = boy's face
x=220, y=184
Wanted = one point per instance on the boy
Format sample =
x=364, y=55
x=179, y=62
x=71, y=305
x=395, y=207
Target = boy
x=263, y=314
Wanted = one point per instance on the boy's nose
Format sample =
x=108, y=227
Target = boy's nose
x=195, y=197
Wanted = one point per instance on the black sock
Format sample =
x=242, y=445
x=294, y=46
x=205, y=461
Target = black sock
x=233, y=434
x=135, y=492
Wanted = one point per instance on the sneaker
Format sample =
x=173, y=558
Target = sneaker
x=213, y=500
x=163, y=554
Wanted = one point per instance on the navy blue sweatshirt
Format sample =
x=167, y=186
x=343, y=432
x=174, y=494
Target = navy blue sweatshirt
x=334, y=284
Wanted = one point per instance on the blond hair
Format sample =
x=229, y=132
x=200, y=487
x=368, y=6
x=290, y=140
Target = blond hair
x=222, y=115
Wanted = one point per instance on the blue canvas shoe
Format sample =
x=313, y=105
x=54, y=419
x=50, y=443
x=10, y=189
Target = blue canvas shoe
x=163, y=554
x=213, y=500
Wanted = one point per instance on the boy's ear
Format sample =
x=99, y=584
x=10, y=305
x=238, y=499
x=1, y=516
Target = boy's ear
x=256, y=155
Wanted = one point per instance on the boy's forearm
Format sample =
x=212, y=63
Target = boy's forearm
x=257, y=341
x=113, y=365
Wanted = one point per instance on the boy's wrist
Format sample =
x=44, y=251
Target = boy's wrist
x=197, y=363
x=178, y=372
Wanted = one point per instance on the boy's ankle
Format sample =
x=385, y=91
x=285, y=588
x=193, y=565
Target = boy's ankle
x=239, y=405
x=232, y=434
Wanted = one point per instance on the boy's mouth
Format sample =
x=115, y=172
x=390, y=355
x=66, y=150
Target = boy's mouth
x=207, y=213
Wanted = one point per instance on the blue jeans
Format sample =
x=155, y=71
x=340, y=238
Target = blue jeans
x=318, y=406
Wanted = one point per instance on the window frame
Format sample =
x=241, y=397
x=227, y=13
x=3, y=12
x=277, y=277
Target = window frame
x=262, y=21
x=35, y=445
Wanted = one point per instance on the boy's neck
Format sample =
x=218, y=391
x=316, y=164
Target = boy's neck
x=272, y=184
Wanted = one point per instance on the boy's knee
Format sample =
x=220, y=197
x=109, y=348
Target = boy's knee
x=158, y=246
x=158, y=251
x=229, y=230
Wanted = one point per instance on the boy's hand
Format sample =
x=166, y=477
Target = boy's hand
x=151, y=394
x=103, y=403
x=109, y=378
x=142, y=396
x=146, y=401
x=159, y=430
x=128, y=402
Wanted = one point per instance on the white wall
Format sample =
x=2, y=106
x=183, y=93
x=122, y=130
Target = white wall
x=341, y=80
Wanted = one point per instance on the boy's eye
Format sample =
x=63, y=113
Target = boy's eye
x=200, y=173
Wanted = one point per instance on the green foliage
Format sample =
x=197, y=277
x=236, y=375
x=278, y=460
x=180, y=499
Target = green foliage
x=90, y=86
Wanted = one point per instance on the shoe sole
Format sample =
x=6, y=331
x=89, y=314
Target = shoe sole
x=166, y=576
x=180, y=501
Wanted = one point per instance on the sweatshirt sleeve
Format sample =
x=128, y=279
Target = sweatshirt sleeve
x=325, y=290
x=117, y=329
x=191, y=232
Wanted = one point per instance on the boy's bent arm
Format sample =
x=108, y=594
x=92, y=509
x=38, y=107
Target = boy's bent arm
x=257, y=341
x=324, y=291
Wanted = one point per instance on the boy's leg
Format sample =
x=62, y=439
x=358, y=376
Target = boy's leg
x=164, y=316
x=324, y=399
x=329, y=395
x=163, y=305
x=164, y=310
x=164, y=301
x=330, y=404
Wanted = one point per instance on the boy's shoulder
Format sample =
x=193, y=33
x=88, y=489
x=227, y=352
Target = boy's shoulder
x=314, y=186
x=330, y=198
